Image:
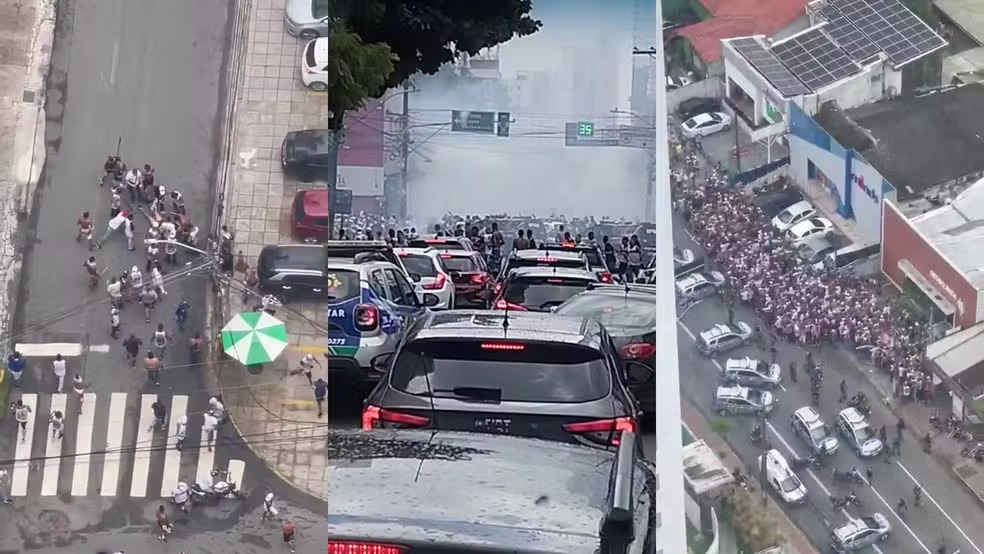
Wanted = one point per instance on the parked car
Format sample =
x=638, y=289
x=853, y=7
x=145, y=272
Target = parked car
x=309, y=215
x=673, y=83
x=695, y=106
x=314, y=64
x=772, y=203
x=855, y=429
x=808, y=228
x=705, y=124
x=435, y=278
x=308, y=19
x=305, y=154
x=723, y=337
x=739, y=400
x=860, y=533
x=807, y=424
x=793, y=215
x=814, y=250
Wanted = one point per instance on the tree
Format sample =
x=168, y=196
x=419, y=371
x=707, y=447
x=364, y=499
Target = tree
x=356, y=71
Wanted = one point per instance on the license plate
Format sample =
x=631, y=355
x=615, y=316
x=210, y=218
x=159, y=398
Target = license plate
x=493, y=424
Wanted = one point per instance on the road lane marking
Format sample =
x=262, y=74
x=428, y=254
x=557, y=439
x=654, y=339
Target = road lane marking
x=114, y=441
x=22, y=454
x=902, y=521
x=143, y=446
x=53, y=451
x=115, y=63
x=940, y=508
x=83, y=445
x=51, y=349
x=236, y=473
x=172, y=457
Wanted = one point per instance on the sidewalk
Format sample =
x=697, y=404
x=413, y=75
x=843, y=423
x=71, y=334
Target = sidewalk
x=796, y=541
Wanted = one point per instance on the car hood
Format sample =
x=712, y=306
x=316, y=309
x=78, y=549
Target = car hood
x=871, y=445
x=299, y=11
x=830, y=443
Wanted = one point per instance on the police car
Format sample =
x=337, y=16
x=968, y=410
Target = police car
x=723, y=337
x=752, y=373
x=699, y=285
x=782, y=479
x=855, y=429
x=807, y=425
x=739, y=400
x=860, y=533
x=368, y=320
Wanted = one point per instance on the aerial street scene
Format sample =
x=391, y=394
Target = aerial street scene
x=497, y=277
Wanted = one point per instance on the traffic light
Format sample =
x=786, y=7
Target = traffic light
x=503, y=124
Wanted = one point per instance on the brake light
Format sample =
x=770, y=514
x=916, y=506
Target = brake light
x=446, y=256
x=497, y=288
x=556, y=281
x=374, y=417
x=503, y=346
x=503, y=305
x=637, y=351
x=478, y=279
x=547, y=260
x=336, y=547
x=402, y=254
x=434, y=241
x=366, y=317
x=603, y=431
x=438, y=283
x=605, y=277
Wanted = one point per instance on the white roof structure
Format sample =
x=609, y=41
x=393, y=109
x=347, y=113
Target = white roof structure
x=703, y=471
x=956, y=230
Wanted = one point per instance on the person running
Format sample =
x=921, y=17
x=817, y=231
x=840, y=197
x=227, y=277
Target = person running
x=160, y=416
x=148, y=297
x=269, y=511
x=159, y=341
x=289, y=530
x=57, y=424
x=78, y=387
x=15, y=366
x=320, y=393
x=157, y=280
x=114, y=322
x=163, y=525
x=60, y=368
x=153, y=367
x=181, y=314
x=85, y=226
x=307, y=367
x=22, y=414
x=132, y=346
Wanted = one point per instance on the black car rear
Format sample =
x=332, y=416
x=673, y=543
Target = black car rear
x=470, y=277
x=596, y=260
x=539, y=258
x=539, y=292
x=773, y=202
x=550, y=390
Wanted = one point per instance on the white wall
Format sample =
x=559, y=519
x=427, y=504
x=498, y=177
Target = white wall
x=870, y=85
x=867, y=210
x=832, y=165
x=362, y=181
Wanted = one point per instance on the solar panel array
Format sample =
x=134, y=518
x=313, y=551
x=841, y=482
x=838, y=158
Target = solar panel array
x=892, y=27
x=851, y=39
x=769, y=66
x=815, y=59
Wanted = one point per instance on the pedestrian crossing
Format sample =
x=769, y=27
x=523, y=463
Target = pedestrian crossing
x=111, y=448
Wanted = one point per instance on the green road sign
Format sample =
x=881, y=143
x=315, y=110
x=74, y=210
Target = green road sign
x=472, y=122
x=585, y=129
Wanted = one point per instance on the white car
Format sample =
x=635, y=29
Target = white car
x=808, y=228
x=705, y=124
x=793, y=215
x=782, y=479
x=673, y=83
x=434, y=277
x=699, y=285
x=314, y=64
x=856, y=430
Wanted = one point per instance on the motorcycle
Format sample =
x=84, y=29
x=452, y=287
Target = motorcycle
x=757, y=435
x=211, y=493
x=814, y=461
x=860, y=402
x=851, y=499
x=850, y=475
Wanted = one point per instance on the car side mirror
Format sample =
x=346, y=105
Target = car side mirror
x=638, y=373
x=381, y=362
x=431, y=300
x=415, y=277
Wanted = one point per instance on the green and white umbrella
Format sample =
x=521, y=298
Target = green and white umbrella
x=254, y=338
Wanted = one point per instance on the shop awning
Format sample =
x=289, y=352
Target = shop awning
x=928, y=288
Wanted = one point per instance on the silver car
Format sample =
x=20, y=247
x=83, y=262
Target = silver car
x=807, y=424
x=752, y=373
x=307, y=19
x=853, y=426
x=858, y=534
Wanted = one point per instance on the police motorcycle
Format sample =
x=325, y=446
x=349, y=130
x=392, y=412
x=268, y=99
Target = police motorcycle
x=215, y=486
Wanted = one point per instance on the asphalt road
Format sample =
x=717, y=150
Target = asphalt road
x=948, y=512
x=147, y=73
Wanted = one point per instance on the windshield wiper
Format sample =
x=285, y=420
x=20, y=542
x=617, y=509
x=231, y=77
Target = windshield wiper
x=486, y=394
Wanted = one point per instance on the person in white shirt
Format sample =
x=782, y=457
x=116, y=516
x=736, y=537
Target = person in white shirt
x=208, y=428
x=60, y=369
x=113, y=226
x=217, y=408
x=133, y=179
x=78, y=387
x=114, y=322
x=115, y=291
x=128, y=231
x=157, y=279
x=57, y=422
x=180, y=432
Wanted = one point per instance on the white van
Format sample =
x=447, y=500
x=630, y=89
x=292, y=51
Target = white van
x=852, y=258
x=782, y=479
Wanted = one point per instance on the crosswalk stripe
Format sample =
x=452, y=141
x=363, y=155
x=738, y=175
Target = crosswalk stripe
x=172, y=457
x=83, y=445
x=22, y=453
x=114, y=441
x=236, y=471
x=206, y=458
x=53, y=452
x=143, y=446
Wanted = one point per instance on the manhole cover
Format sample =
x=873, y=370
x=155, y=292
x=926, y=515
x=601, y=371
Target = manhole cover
x=29, y=96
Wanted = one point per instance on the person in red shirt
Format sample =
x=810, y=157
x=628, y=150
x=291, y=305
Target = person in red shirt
x=289, y=530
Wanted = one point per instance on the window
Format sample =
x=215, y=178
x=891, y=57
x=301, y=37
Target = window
x=419, y=264
x=612, y=311
x=462, y=264
x=320, y=221
x=539, y=372
x=378, y=284
x=401, y=292
x=392, y=287
x=541, y=293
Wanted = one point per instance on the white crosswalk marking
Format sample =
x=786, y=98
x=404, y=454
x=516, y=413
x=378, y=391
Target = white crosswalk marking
x=143, y=446
x=53, y=452
x=172, y=456
x=114, y=442
x=83, y=445
x=22, y=454
x=125, y=424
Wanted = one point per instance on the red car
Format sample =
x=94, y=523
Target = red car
x=470, y=275
x=309, y=215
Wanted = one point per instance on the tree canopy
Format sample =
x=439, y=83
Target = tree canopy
x=356, y=71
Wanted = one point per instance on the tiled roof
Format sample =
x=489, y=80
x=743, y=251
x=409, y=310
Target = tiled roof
x=739, y=18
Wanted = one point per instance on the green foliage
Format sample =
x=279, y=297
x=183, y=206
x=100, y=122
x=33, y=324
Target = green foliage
x=719, y=426
x=426, y=34
x=753, y=526
x=356, y=71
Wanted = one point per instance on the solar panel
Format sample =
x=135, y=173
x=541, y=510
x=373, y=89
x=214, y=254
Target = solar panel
x=769, y=66
x=850, y=38
x=892, y=27
x=815, y=59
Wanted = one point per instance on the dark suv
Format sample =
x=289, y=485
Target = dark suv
x=596, y=259
x=424, y=492
x=541, y=289
x=297, y=271
x=534, y=375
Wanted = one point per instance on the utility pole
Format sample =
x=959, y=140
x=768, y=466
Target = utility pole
x=405, y=154
x=737, y=148
x=649, y=213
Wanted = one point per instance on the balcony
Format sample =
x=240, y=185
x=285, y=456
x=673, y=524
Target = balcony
x=739, y=110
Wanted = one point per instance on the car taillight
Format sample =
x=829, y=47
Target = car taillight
x=503, y=346
x=546, y=260
x=497, y=288
x=503, y=305
x=637, y=351
x=338, y=547
x=603, y=431
x=438, y=283
x=446, y=256
x=605, y=277
x=374, y=417
x=366, y=317
x=478, y=279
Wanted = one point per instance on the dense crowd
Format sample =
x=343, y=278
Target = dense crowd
x=800, y=302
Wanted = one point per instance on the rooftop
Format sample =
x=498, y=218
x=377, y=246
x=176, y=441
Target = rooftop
x=916, y=142
x=957, y=230
x=968, y=15
x=959, y=356
x=739, y=18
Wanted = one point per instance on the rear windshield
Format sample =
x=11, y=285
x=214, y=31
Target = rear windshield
x=342, y=284
x=547, y=261
x=594, y=257
x=421, y=265
x=542, y=293
x=612, y=311
x=462, y=264
x=438, y=244
x=309, y=55
x=530, y=372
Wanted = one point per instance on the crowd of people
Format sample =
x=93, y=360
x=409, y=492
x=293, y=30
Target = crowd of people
x=801, y=303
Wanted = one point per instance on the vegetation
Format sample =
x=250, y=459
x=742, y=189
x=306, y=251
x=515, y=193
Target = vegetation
x=753, y=526
x=697, y=541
